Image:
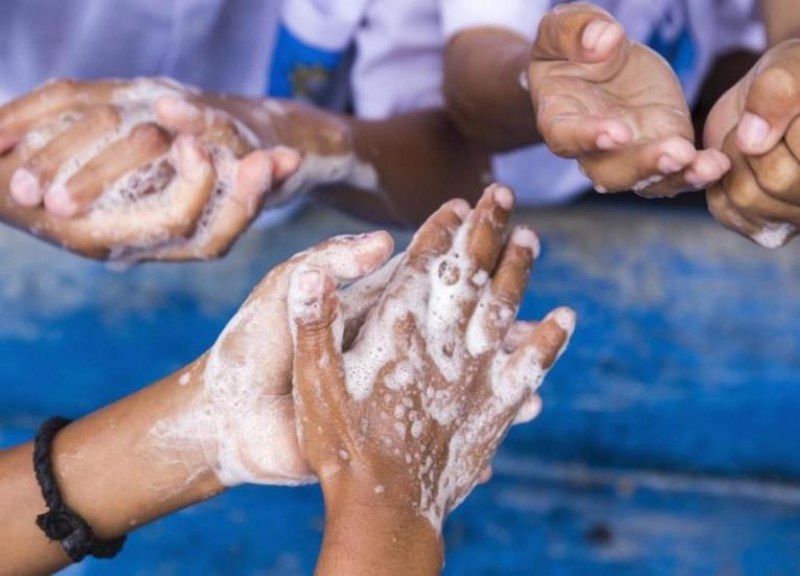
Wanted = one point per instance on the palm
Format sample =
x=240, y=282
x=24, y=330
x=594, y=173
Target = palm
x=617, y=108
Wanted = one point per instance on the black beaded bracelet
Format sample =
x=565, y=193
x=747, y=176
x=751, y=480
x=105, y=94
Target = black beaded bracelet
x=60, y=522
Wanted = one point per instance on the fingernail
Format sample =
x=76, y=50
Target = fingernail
x=606, y=142
x=462, y=209
x=565, y=318
x=25, y=188
x=309, y=283
x=59, y=202
x=504, y=197
x=285, y=161
x=523, y=236
x=592, y=33
x=668, y=165
x=695, y=180
x=608, y=36
x=753, y=130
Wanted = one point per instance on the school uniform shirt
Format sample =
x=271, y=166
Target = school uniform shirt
x=299, y=49
x=382, y=56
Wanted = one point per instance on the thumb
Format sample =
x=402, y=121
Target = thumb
x=771, y=104
x=316, y=326
x=579, y=33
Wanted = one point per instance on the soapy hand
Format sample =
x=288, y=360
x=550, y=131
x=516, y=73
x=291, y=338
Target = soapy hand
x=410, y=415
x=142, y=169
x=614, y=105
x=757, y=125
x=241, y=421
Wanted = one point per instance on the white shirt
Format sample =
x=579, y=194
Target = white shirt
x=293, y=48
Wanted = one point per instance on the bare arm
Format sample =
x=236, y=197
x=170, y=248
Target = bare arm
x=110, y=471
x=151, y=170
x=483, y=73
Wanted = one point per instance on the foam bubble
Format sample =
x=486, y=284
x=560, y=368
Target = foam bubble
x=774, y=235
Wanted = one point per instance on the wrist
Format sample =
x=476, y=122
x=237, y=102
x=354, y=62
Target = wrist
x=391, y=540
x=114, y=472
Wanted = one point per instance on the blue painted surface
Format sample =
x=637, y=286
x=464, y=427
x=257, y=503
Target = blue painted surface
x=667, y=444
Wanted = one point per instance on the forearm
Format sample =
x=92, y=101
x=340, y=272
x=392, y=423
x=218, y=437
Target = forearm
x=110, y=470
x=421, y=160
x=482, y=86
x=374, y=540
x=397, y=170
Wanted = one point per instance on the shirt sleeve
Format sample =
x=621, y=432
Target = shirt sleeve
x=520, y=16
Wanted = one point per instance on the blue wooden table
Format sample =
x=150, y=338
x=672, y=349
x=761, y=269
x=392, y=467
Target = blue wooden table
x=668, y=444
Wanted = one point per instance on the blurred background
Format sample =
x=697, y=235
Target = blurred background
x=668, y=442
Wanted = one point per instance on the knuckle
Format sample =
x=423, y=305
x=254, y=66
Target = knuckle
x=775, y=87
x=62, y=88
x=776, y=175
x=149, y=136
x=746, y=198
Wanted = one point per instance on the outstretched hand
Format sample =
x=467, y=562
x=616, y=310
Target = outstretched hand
x=616, y=106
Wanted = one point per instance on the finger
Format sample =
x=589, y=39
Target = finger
x=720, y=208
x=571, y=131
x=499, y=303
x=143, y=145
x=360, y=297
x=792, y=138
x=577, y=32
x=772, y=221
x=517, y=335
x=530, y=409
x=32, y=179
x=640, y=166
x=285, y=162
x=435, y=237
x=210, y=124
x=344, y=258
x=486, y=225
x=316, y=324
x=777, y=173
x=44, y=103
x=172, y=215
x=771, y=105
x=485, y=475
x=525, y=368
x=706, y=168
x=229, y=213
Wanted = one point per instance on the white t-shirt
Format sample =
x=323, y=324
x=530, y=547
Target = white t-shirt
x=284, y=48
x=301, y=48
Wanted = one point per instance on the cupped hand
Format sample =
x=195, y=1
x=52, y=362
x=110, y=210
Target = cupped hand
x=143, y=169
x=757, y=125
x=409, y=417
x=614, y=105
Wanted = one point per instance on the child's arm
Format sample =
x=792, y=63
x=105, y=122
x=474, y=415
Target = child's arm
x=149, y=169
x=400, y=426
x=612, y=104
x=225, y=419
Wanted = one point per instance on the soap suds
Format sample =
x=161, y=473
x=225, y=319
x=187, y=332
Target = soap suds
x=774, y=235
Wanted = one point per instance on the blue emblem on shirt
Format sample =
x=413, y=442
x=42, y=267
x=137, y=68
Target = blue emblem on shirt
x=301, y=71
